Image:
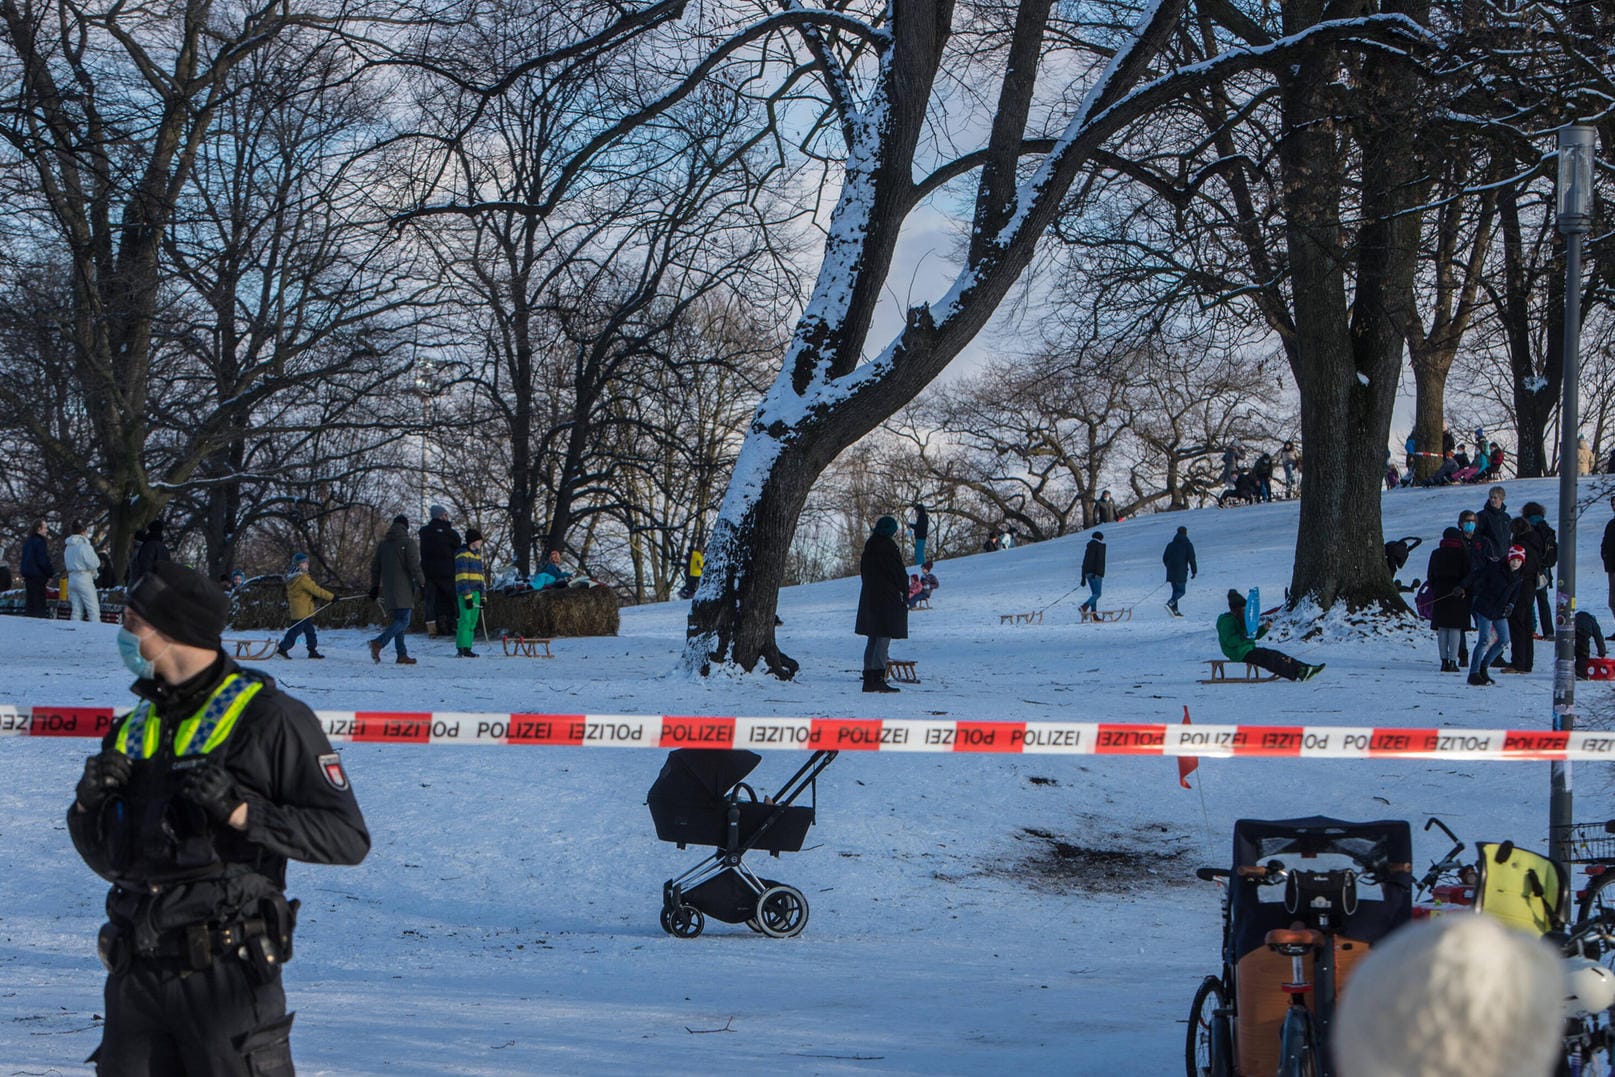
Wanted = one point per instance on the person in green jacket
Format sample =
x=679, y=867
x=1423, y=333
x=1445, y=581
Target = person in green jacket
x=1238, y=646
x=470, y=584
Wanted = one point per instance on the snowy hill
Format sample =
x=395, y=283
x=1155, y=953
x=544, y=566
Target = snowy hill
x=970, y=914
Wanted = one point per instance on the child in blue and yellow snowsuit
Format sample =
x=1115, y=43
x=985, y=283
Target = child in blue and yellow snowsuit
x=470, y=583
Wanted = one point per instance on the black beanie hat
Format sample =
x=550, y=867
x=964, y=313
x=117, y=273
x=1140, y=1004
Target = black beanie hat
x=472, y=535
x=154, y=529
x=1236, y=601
x=182, y=604
x=1452, y=533
x=401, y=519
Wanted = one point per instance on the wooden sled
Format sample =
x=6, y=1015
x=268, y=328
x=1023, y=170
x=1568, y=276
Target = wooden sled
x=526, y=645
x=1253, y=674
x=1033, y=618
x=902, y=671
x=1106, y=616
x=922, y=604
x=252, y=649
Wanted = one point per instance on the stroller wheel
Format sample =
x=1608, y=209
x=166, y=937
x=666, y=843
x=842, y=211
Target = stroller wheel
x=684, y=922
x=782, y=912
x=754, y=925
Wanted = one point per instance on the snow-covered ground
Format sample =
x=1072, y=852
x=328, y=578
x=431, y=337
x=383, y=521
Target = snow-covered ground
x=506, y=921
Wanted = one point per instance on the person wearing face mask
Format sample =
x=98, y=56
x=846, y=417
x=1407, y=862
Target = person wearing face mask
x=1475, y=558
x=191, y=810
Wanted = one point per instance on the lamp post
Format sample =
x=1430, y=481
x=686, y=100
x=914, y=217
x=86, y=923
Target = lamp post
x=1573, y=215
x=426, y=389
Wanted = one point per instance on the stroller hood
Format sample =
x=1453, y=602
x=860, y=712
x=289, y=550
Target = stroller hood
x=698, y=776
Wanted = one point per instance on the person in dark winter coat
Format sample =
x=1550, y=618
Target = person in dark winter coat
x=5, y=577
x=1492, y=525
x=1606, y=550
x=395, y=578
x=438, y=543
x=882, y=601
x=193, y=806
x=1449, y=564
x=36, y=570
x=1492, y=588
x=1093, y=570
x=151, y=551
x=1178, y=557
x=1104, y=510
x=1537, y=514
x=1522, y=622
x=922, y=530
x=1263, y=470
x=1238, y=646
x=1588, y=635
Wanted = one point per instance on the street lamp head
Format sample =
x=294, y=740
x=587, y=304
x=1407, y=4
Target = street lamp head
x=1577, y=145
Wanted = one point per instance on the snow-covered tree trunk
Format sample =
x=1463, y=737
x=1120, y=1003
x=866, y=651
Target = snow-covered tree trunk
x=825, y=397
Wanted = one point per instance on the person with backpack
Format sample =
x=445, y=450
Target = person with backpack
x=470, y=590
x=301, y=594
x=1093, y=571
x=1104, y=510
x=1537, y=514
x=693, y=567
x=396, y=580
x=1239, y=646
x=1492, y=589
x=1178, y=557
x=1449, y=607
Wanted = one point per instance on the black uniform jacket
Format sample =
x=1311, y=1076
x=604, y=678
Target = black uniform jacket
x=300, y=806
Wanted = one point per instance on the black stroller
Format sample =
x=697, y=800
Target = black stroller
x=700, y=798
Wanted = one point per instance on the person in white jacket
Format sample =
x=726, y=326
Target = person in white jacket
x=82, y=563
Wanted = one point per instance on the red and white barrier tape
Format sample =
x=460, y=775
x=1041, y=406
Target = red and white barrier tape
x=892, y=735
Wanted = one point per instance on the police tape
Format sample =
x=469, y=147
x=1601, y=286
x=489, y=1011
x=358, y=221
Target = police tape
x=893, y=735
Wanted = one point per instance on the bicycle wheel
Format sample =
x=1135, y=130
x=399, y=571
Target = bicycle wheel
x=1298, y=1045
x=1598, y=898
x=1208, y=1051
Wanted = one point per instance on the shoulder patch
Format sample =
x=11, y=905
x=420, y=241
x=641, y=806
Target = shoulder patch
x=331, y=767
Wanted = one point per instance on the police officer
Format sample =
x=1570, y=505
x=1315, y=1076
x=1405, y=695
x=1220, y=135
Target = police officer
x=198, y=798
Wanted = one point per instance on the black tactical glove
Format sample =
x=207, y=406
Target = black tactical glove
x=104, y=775
x=1508, y=611
x=211, y=788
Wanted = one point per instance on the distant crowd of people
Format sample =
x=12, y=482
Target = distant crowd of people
x=1249, y=485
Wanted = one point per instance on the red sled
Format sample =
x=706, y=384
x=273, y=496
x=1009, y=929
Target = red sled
x=1601, y=669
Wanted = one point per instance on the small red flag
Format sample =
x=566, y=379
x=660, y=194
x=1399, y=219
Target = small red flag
x=1187, y=764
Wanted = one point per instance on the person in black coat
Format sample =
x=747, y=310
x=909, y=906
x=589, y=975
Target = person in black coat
x=1178, y=557
x=1492, y=525
x=1449, y=564
x=194, y=834
x=152, y=551
x=1492, y=588
x=36, y=570
x=922, y=530
x=5, y=577
x=439, y=542
x=1522, y=622
x=1606, y=550
x=1537, y=514
x=1093, y=570
x=882, y=601
x=1588, y=634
